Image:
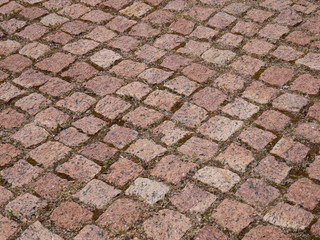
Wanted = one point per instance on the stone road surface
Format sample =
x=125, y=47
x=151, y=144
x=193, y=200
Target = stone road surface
x=159, y=119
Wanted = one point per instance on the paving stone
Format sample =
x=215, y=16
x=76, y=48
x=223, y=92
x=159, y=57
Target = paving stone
x=98, y=151
x=305, y=193
x=105, y=58
x=209, y=232
x=155, y=75
x=273, y=120
x=80, y=47
x=55, y=63
x=149, y=190
x=307, y=84
x=15, y=63
x=234, y=215
x=175, y=62
x=259, y=93
x=311, y=60
x=256, y=191
x=49, y=153
x=50, y=186
x=247, y=65
x=30, y=135
x=103, y=85
x=8, y=46
x=123, y=171
x=190, y=115
x=170, y=134
x=237, y=157
x=290, y=102
x=70, y=215
x=258, y=15
x=53, y=20
x=288, y=216
x=135, y=89
x=33, y=103
x=266, y=233
x=25, y=206
x=219, y=178
x=230, y=40
x=12, y=25
x=172, y=169
x=97, y=16
x=273, y=31
x=314, y=111
x=290, y=150
x=71, y=137
x=33, y=32
x=193, y=199
x=8, y=228
x=144, y=30
x=76, y=27
x=220, y=128
x=258, y=47
x=309, y=131
x=33, y=13
x=128, y=69
x=163, y=100
x=286, y=53
x=200, y=13
x=145, y=149
x=272, y=169
x=9, y=91
x=204, y=33
x=241, y=109
x=209, y=98
x=5, y=196
x=137, y=9
x=79, y=168
x=168, y=41
x=101, y=34
x=124, y=43
x=10, y=118
x=8, y=153
x=277, y=5
x=57, y=4
x=149, y=53
x=31, y=78
x=194, y=48
x=121, y=215
x=120, y=24
x=257, y=138
x=74, y=10
x=199, y=149
x=304, y=7
x=313, y=169
x=312, y=25
x=91, y=232
x=56, y=87
x=159, y=17
x=37, y=230
x=97, y=193
x=167, y=224
x=89, y=125
x=176, y=5
x=182, y=26
x=77, y=102
x=248, y=29
x=116, y=4
x=299, y=37
x=182, y=85
x=315, y=228
x=143, y=117
x=120, y=136
x=111, y=107
x=218, y=57
x=229, y=82
x=51, y=118
x=221, y=20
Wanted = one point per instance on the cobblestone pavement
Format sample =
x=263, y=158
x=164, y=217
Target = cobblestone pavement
x=159, y=119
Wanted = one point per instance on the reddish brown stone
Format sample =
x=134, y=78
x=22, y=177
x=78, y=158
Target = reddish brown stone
x=98, y=151
x=11, y=118
x=51, y=118
x=182, y=26
x=313, y=170
x=121, y=215
x=182, y=85
x=273, y=120
x=265, y=233
x=234, y=215
x=120, y=136
x=103, y=85
x=172, y=169
x=8, y=153
x=33, y=103
x=146, y=149
x=56, y=87
x=143, y=117
x=290, y=102
x=122, y=171
x=259, y=92
x=55, y=63
x=124, y=43
x=111, y=107
x=144, y=30
x=241, y=109
x=8, y=228
x=221, y=20
x=50, y=186
x=78, y=102
x=128, y=68
x=310, y=131
x=91, y=232
x=120, y=24
x=33, y=32
x=306, y=83
x=256, y=137
x=80, y=71
x=258, y=15
x=30, y=135
x=175, y=62
x=190, y=115
x=273, y=31
x=314, y=111
x=229, y=82
x=70, y=215
x=71, y=137
x=247, y=65
x=168, y=41
x=193, y=199
x=155, y=75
